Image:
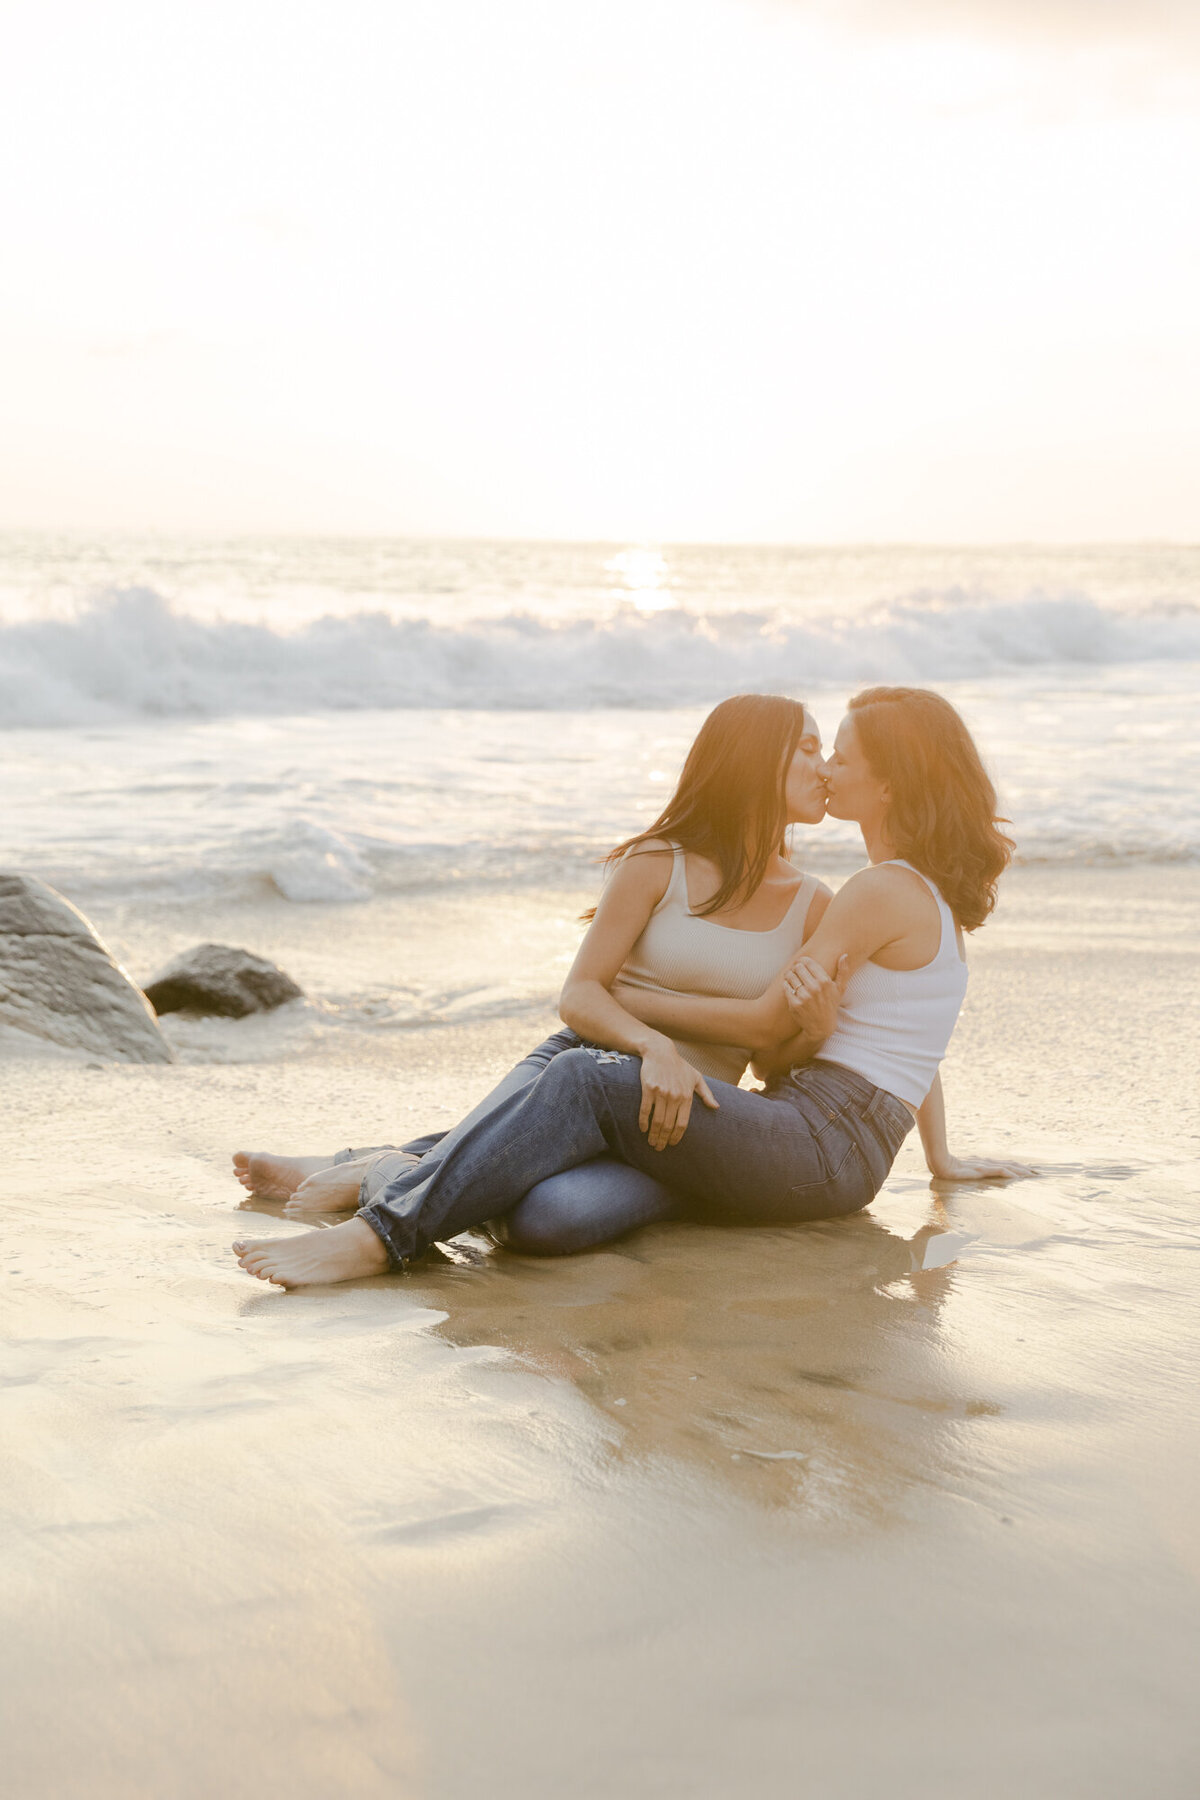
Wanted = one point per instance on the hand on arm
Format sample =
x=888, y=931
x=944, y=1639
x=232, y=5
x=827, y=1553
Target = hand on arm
x=813, y=1000
x=855, y=924
x=931, y=1123
x=588, y=1005
x=718, y=1018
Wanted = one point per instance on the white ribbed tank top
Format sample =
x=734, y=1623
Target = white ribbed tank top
x=895, y=1024
x=682, y=954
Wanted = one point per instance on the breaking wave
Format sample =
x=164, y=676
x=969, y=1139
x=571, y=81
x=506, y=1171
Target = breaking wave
x=130, y=655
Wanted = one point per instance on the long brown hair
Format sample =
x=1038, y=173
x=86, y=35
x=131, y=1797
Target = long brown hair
x=942, y=817
x=729, y=804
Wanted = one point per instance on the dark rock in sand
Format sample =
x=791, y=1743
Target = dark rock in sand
x=58, y=982
x=216, y=978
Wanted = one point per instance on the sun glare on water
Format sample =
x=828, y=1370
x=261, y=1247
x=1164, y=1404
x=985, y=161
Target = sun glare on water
x=641, y=577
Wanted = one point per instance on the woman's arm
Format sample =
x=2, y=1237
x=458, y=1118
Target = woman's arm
x=587, y=1005
x=931, y=1123
x=718, y=1019
x=814, y=1001
x=889, y=911
x=708, y=1018
x=870, y=911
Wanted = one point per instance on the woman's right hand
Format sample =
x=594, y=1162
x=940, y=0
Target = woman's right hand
x=978, y=1168
x=669, y=1085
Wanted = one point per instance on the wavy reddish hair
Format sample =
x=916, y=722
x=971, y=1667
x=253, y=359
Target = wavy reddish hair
x=942, y=817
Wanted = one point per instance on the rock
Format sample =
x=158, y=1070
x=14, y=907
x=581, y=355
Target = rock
x=57, y=980
x=216, y=978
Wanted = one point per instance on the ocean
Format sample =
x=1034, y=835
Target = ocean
x=329, y=720
x=504, y=1524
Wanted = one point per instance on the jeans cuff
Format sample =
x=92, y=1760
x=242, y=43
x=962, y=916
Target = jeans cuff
x=371, y=1215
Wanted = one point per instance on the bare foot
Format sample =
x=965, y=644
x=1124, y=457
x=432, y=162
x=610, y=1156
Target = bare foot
x=337, y=1253
x=328, y=1190
x=339, y=1189
x=275, y=1177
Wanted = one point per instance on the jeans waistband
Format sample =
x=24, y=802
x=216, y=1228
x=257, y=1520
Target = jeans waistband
x=832, y=1083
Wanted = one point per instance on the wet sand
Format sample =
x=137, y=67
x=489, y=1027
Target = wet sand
x=906, y=1502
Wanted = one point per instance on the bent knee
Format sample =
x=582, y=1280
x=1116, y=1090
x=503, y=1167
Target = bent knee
x=546, y=1223
x=585, y=1065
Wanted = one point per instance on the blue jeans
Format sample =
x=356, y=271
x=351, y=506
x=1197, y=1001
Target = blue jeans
x=818, y=1144
x=579, y=1209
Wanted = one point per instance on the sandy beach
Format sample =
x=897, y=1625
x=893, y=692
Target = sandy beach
x=417, y=419
x=907, y=1500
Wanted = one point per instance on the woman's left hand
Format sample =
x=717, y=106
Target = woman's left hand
x=980, y=1168
x=813, y=997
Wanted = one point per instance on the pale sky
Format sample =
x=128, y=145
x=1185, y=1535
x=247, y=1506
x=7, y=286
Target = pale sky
x=779, y=270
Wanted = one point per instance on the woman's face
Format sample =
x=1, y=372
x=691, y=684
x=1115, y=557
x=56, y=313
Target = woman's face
x=852, y=788
x=804, y=786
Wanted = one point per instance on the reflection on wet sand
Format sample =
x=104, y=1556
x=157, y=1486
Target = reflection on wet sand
x=331, y=1543
x=799, y=1366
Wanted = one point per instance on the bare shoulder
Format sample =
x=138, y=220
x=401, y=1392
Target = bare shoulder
x=882, y=885
x=643, y=872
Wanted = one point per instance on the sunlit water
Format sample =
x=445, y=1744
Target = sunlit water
x=798, y=1465
x=335, y=719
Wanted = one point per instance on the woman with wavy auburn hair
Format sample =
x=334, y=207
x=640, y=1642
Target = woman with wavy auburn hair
x=941, y=805
x=905, y=768
x=819, y=1140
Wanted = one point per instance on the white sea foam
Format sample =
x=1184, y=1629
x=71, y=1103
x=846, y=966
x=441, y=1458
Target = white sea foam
x=311, y=863
x=329, y=722
x=128, y=654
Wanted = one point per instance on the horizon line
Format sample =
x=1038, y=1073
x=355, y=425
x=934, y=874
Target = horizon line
x=633, y=541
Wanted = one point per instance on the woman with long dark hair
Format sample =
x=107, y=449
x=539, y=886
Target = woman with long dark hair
x=820, y=1139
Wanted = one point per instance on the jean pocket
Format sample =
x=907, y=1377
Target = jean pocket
x=842, y=1161
x=832, y=1122
x=886, y=1112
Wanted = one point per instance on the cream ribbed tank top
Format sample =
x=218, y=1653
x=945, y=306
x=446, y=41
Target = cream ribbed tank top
x=682, y=954
x=894, y=1024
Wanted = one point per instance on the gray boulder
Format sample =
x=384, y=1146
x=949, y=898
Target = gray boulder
x=57, y=980
x=216, y=978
